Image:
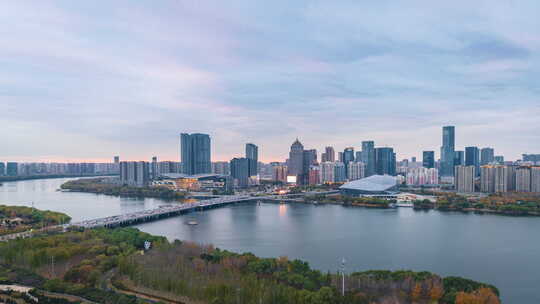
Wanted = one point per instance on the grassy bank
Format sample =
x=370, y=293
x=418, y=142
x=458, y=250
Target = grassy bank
x=186, y=272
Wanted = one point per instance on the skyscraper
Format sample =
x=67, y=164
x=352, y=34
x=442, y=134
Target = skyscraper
x=296, y=161
x=2, y=169
x=428, y=159
x=368, y=157
x=340, y=173
x=240, y=171
x=464, y=179
x=385, y=161
x=448, y=151
x=154, y=169
x=348, y=156
x=330, y=154
x=252, y=154
x=358, y=156
x=116, y=159
x=472, y=158
x=459, y=158
x=309, y=159
x=195, y=153
x=487, y=156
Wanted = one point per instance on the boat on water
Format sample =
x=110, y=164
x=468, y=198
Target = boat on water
x=192, y=222
x=404, y=204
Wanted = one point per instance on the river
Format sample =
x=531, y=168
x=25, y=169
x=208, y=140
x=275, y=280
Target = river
x=499, y=250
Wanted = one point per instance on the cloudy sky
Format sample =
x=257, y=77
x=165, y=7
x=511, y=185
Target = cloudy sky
x=92, y=79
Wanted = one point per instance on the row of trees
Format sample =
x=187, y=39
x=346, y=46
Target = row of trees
x=84, y=259
x=215, y=276
x=101, y=186
x=74, y=262
x=31, y=218
x=510, y=203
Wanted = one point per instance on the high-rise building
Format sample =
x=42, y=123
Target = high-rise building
x=221, y=167
x=314, y=175
x=535, y=179
x=448, y=151
x=12, y=169
x=472, y=158
x=428, y=159
x=358, y=156
x=464, y=178
x=195, y=153
x=487, y=179
x=240, y=171
x=134, y=173
x=355, y=170
x=523, y=179
x=2, y=169
x=340, y=156
x=422, y=176
x=327, y=171
x=330, y=154
x=116, y=159
x=252, y=154
x=279, y=173
x=169, y=167
x=310, y=159
x=487, y=156
x=385, y=161
x=296, y=161
x=459, y=158
x=154, y=170
x=348, y=156
x=499, y=159
x=340, y=173
x=368, y=157
x=531, y=158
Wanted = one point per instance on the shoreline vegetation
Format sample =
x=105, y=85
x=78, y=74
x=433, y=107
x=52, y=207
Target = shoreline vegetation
x=514, y=204
x=102, y=186
x=15, y=219
x=110, y=266
x=34, y=177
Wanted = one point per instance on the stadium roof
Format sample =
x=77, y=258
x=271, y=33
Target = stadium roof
x=374, y=183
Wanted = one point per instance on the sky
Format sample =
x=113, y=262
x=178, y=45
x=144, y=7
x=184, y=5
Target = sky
x=87, y=80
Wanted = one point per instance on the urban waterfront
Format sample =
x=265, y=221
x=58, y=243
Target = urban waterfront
x=488, y=248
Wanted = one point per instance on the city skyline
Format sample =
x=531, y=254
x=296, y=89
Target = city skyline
x=84, y=81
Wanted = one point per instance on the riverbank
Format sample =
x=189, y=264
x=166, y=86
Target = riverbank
x=34, y=177
x=511, y=204
x=19, y=219
x=205, y=274
x=104, y=186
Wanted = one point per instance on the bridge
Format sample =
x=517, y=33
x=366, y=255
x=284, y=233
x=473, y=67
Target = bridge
x=172, y=210
x=161, y=212
x=165, y=211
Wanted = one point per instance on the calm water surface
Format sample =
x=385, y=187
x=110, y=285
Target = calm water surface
x=503, y=251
